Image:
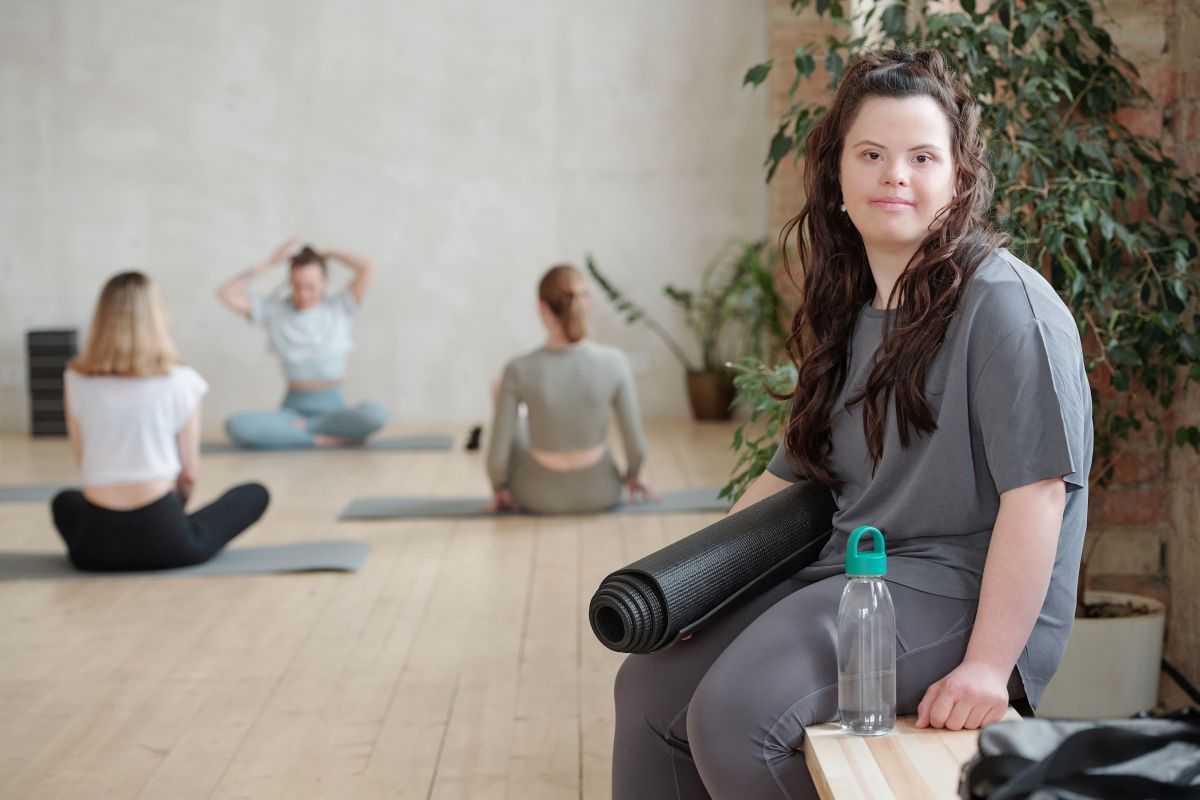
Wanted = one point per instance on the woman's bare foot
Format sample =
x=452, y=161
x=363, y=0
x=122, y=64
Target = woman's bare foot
x=321, y=440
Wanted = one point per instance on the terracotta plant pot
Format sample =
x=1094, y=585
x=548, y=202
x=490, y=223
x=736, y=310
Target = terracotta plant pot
x=710, y=394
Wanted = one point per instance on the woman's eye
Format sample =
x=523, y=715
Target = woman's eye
x=924, y=159
x=873, y=155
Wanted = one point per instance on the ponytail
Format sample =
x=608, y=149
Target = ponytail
x=559, y=291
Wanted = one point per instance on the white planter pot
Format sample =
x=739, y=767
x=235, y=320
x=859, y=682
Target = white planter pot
x=1111, y=666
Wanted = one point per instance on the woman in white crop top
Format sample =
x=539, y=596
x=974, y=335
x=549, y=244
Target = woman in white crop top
x=310, y=332
x=133, y=417
x=554, y=457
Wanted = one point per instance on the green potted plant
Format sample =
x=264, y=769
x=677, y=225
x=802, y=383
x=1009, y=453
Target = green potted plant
x=1104, y=213
x=735, y=308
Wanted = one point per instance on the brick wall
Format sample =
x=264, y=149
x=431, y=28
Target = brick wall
x=1147, y=519
x=1146, y=527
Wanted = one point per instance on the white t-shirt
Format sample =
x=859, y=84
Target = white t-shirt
x=127, y=426
x=312, y=344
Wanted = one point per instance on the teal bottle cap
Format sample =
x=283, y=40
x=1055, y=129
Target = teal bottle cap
x=871, y=563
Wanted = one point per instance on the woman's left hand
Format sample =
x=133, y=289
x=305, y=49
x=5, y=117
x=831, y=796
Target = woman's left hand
x=971, y=696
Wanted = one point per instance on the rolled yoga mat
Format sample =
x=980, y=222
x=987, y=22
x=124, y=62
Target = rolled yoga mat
x=32, y=493
x=343, y=555
x=433, y=441
x=671, y=593
x=684, y=500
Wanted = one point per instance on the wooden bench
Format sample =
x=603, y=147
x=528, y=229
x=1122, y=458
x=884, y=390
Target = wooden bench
x=908, y=764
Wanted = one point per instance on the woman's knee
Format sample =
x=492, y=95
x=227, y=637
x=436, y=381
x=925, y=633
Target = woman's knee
x=268, y=429
x=749, y=712
x=64, y=509
x=717, y=716
x=629, y=687
x=65, y=502
x=243, y=429
x=639, y=691
x=254, y=496
x=374, y=415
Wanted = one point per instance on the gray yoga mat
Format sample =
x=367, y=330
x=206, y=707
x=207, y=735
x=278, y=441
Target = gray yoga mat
x=345, y=555
x=433, y=441
x=683, y=500
x=32, y=493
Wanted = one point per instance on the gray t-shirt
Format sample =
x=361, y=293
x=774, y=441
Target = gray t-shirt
x=1010, y=395
x=570, y=394
x=312, y=344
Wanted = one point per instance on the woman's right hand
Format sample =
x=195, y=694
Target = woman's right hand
x=502, y=500
x=639, y=492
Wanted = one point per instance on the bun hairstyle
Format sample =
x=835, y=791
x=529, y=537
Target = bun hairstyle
x=308, y=256
x=130, y=335
x=561, y=289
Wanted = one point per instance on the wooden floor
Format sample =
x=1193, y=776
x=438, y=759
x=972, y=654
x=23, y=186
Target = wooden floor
x=457, y=664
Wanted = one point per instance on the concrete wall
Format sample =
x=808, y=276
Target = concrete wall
x=465, y=146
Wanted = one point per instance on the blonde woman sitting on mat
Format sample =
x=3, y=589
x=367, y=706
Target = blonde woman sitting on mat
x=311, y=334
x=133, y=417
x=553, y=459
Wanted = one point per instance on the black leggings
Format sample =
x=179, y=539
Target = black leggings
x=156, y=536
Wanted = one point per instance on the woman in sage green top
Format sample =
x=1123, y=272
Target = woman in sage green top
x=547, y=452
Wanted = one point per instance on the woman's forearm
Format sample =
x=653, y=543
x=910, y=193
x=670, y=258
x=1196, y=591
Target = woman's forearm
x=363, y=268
x=183, y=487
x=763, y=487
x=1016, y=573
x=356, y=262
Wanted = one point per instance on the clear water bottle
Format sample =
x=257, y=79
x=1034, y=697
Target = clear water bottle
x=866, y=642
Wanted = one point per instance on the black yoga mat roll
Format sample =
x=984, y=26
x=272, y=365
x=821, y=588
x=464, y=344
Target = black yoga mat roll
x=669, y=594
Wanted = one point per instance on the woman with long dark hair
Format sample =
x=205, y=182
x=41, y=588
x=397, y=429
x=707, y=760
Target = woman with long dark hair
x=548, y=450
x=942, y=397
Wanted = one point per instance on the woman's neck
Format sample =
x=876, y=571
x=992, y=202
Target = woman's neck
x=558, y=341
x=887, y=265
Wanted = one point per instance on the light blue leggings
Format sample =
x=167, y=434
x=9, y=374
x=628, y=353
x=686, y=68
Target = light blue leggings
x=304, y=415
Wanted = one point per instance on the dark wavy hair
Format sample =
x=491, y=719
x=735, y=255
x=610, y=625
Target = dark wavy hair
x=836, y=280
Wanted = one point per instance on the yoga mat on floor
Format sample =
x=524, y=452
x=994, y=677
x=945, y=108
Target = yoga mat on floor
x=671, y=593
x=345, y=555
x=684, y=500
x=33, y=493
x=433, y=441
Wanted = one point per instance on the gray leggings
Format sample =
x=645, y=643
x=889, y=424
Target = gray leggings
x=721, y=715
x=550, y=491
x=304, y=415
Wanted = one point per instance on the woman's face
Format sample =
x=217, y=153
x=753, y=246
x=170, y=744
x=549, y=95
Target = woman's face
x=897, y=170
x=308, y=286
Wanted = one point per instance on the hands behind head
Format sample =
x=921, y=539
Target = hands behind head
x=285, y=250
x=639, y=492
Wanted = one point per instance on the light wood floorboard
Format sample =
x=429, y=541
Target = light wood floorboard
x=457, y=664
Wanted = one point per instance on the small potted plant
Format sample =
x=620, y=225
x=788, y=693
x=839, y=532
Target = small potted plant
x=733, y=313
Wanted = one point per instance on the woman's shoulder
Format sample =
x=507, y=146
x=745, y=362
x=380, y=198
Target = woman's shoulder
x=519, y=364
x=184, y=375
x=604, y=352
x=1005, y=294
